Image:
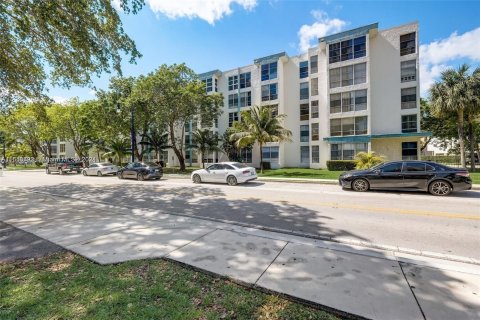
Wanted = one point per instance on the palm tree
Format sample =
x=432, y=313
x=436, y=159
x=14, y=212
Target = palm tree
x=366, y=160
x=156, y=140
x=473, y=112
x=258, y=125
x=118, y=149
x=205, y=141
x=451, y=95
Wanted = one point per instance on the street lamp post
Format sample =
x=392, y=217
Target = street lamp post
x=132, y=131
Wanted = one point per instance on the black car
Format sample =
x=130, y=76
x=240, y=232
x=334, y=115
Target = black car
x=435, y=178
x=140, y=171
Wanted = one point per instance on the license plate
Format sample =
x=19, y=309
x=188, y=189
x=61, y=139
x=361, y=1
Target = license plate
x=156, y=170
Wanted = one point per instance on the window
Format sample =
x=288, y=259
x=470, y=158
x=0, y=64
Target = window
x=414, y=167
x=274, y=110
x=346, y=151
x=313, y=64
x=232, y=116
x=361, y=125
x=348, y=101
x=314, y=109
x=62, y=148
x=245, y=99
x=269, y=92
x=315, y=154
x=304, y=154
x=314, y=85
x=409, y=98
x=409, y=123
x=360, y=100
x=232, y=83
x=335, y=78
x=270, y=154
x=347, y=50
x=232, y=100
x=407, y=44
x=359, y=47
x=349, y=126
x=269, y=71
x=409, y=151
x=303, y=69
x=408, y=70
x=304, y=133
x=208, y=84
x=360, y=71
x=246, y=155
x=303, y=90
x=315, y=131
x=348, y=75
x=304, y=111
x=392, y=168
x=245, y=80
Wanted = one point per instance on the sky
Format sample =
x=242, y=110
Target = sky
x=225, y=34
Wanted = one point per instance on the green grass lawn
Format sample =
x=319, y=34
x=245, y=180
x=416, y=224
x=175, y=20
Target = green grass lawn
x=475, y=177
x=300, y=173
x=67, y=286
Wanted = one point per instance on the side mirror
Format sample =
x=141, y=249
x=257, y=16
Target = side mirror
x=377, y=171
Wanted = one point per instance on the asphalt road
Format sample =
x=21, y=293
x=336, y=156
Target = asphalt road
x=418, y=221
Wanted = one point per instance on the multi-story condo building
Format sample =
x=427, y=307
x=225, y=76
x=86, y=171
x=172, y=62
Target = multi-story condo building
x=355, y=91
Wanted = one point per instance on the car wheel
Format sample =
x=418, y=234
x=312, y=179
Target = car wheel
x=360, y=185
x=99, y=173
x=140, y=177
x=48, y=171
x=196, y=179
x=120, y=175
x=440, y=188
x=232, y=180
x=84, y=173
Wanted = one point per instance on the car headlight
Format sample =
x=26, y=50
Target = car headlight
x=346, y=175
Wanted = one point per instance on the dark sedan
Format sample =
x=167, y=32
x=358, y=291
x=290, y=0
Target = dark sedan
x=140, y=171
x=435, y=178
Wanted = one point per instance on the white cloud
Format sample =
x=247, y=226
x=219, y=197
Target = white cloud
x=208, y=10
x=92, y=92
x=116, y=5
x=320, y=28
x=439, y=55
x=59, y=99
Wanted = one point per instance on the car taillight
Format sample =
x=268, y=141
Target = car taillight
x=463, y=174
x=246, y=171
x=64, y=165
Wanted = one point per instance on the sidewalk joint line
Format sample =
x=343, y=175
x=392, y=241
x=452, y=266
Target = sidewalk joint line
x=190, y=242
x=274, y=259
x=411, y=290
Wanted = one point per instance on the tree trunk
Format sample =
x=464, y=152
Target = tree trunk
x=460, y=138
x=261, y=158
x=203, y=164
x=471, y=136
x=178, y=152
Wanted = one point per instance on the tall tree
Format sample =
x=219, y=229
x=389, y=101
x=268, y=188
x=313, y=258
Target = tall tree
x=118, y=149
x=451, y=95
x=179, y=97
x=73, y=40
x=229, y=147
x=259, y=125
x=442, y=126
x=205, y=141
x=155, y=140
x=473, y=113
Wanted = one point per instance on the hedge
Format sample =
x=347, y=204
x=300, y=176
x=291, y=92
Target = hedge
x=341, y=165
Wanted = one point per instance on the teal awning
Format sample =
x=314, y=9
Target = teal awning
x=208, y=74
x=268, y=59
x=361, y=31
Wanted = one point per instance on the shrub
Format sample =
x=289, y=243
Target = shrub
x=341, y=165
x=366, y=160
x=266, y=165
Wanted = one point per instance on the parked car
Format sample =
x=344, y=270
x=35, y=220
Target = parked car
x=100, y=169
x=140, y=171
x=64, y=166
x=439, y=180
x=225, y=172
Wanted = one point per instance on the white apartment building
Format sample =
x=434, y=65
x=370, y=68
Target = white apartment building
x=355, y=91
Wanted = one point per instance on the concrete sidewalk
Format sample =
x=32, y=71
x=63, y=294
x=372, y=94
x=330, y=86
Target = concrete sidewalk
x=375, y=284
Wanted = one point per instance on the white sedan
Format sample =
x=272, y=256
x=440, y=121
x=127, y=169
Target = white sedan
x=229, y=172
x=100, y=169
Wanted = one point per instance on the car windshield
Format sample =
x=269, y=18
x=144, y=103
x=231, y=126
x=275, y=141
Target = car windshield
x=239, y=165
x=378, y=166
x=149, y=164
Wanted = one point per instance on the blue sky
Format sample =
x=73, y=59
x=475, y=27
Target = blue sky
x=224, y=34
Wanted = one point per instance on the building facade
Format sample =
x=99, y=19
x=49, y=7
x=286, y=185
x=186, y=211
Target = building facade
x=355, y=91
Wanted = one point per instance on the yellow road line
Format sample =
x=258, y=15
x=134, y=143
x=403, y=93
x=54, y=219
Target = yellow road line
x=439, y=214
